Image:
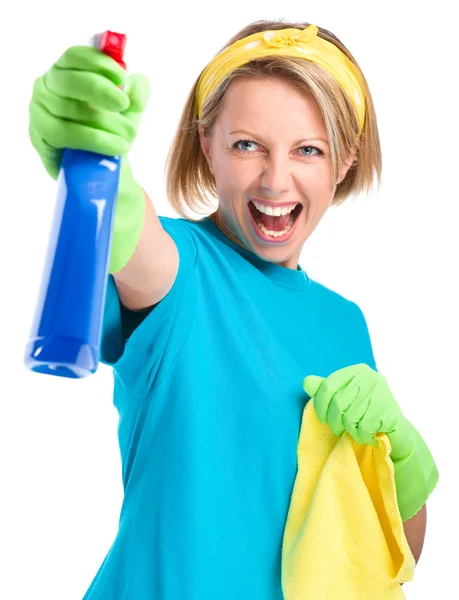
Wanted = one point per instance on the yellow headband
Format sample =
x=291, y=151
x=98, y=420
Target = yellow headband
x=286, y=42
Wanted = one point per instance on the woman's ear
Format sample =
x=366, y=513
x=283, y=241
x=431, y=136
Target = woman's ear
x=205, y=145
x=347, y=164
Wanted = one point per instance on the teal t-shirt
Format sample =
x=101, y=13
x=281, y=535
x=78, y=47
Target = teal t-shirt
x=208, y=386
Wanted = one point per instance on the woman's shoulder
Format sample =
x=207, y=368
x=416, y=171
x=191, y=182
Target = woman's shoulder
x=335, y=303
x=202, y=234
x=183, y=226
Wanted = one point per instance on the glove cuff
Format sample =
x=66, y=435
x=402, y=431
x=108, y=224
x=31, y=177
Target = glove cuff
x=416, y=476
x=129, y=217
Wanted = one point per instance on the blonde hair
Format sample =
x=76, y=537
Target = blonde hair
x=190, y=184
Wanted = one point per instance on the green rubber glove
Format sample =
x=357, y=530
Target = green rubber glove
x=358, y=400
x=78, y=104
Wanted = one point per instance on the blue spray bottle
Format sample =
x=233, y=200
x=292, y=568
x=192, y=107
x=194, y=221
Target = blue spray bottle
x=65, y=336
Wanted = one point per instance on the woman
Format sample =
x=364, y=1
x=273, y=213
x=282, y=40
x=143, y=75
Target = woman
x=211, y=325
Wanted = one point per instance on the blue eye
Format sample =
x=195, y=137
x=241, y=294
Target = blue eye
x=318, y=152
x=237, y=146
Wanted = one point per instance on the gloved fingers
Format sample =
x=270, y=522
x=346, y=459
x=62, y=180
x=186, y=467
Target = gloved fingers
x=85, y=86
x=80, y=112
x=382, y=415
x=311, y=384
x=61, y=133
x=87, y=58
x=328, y=388
x=50, y=157
x=340, y=405
x=363, y=422
x=138, y=90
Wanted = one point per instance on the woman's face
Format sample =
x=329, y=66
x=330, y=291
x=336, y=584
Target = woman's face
x=270, y=157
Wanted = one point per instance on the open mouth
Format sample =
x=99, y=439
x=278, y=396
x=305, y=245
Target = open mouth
x=274, y=223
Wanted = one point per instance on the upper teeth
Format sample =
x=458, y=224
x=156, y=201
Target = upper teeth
x=275, y=211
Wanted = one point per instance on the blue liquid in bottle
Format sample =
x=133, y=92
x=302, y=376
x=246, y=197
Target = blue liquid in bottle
x=65, y=336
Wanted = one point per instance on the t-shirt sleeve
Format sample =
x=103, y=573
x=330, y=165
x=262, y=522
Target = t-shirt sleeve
x=142, y=347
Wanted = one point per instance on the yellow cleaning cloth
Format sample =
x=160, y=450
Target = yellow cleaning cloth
x=344, y=537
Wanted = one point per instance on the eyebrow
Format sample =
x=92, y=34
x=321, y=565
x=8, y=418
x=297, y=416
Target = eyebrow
x=300, y=141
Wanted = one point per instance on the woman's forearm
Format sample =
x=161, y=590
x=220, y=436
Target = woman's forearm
x=151, y=270
x=415, y=531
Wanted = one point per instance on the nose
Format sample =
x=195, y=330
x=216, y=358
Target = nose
x=276, y=177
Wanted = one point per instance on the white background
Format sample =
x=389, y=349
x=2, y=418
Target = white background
x=394, y=252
